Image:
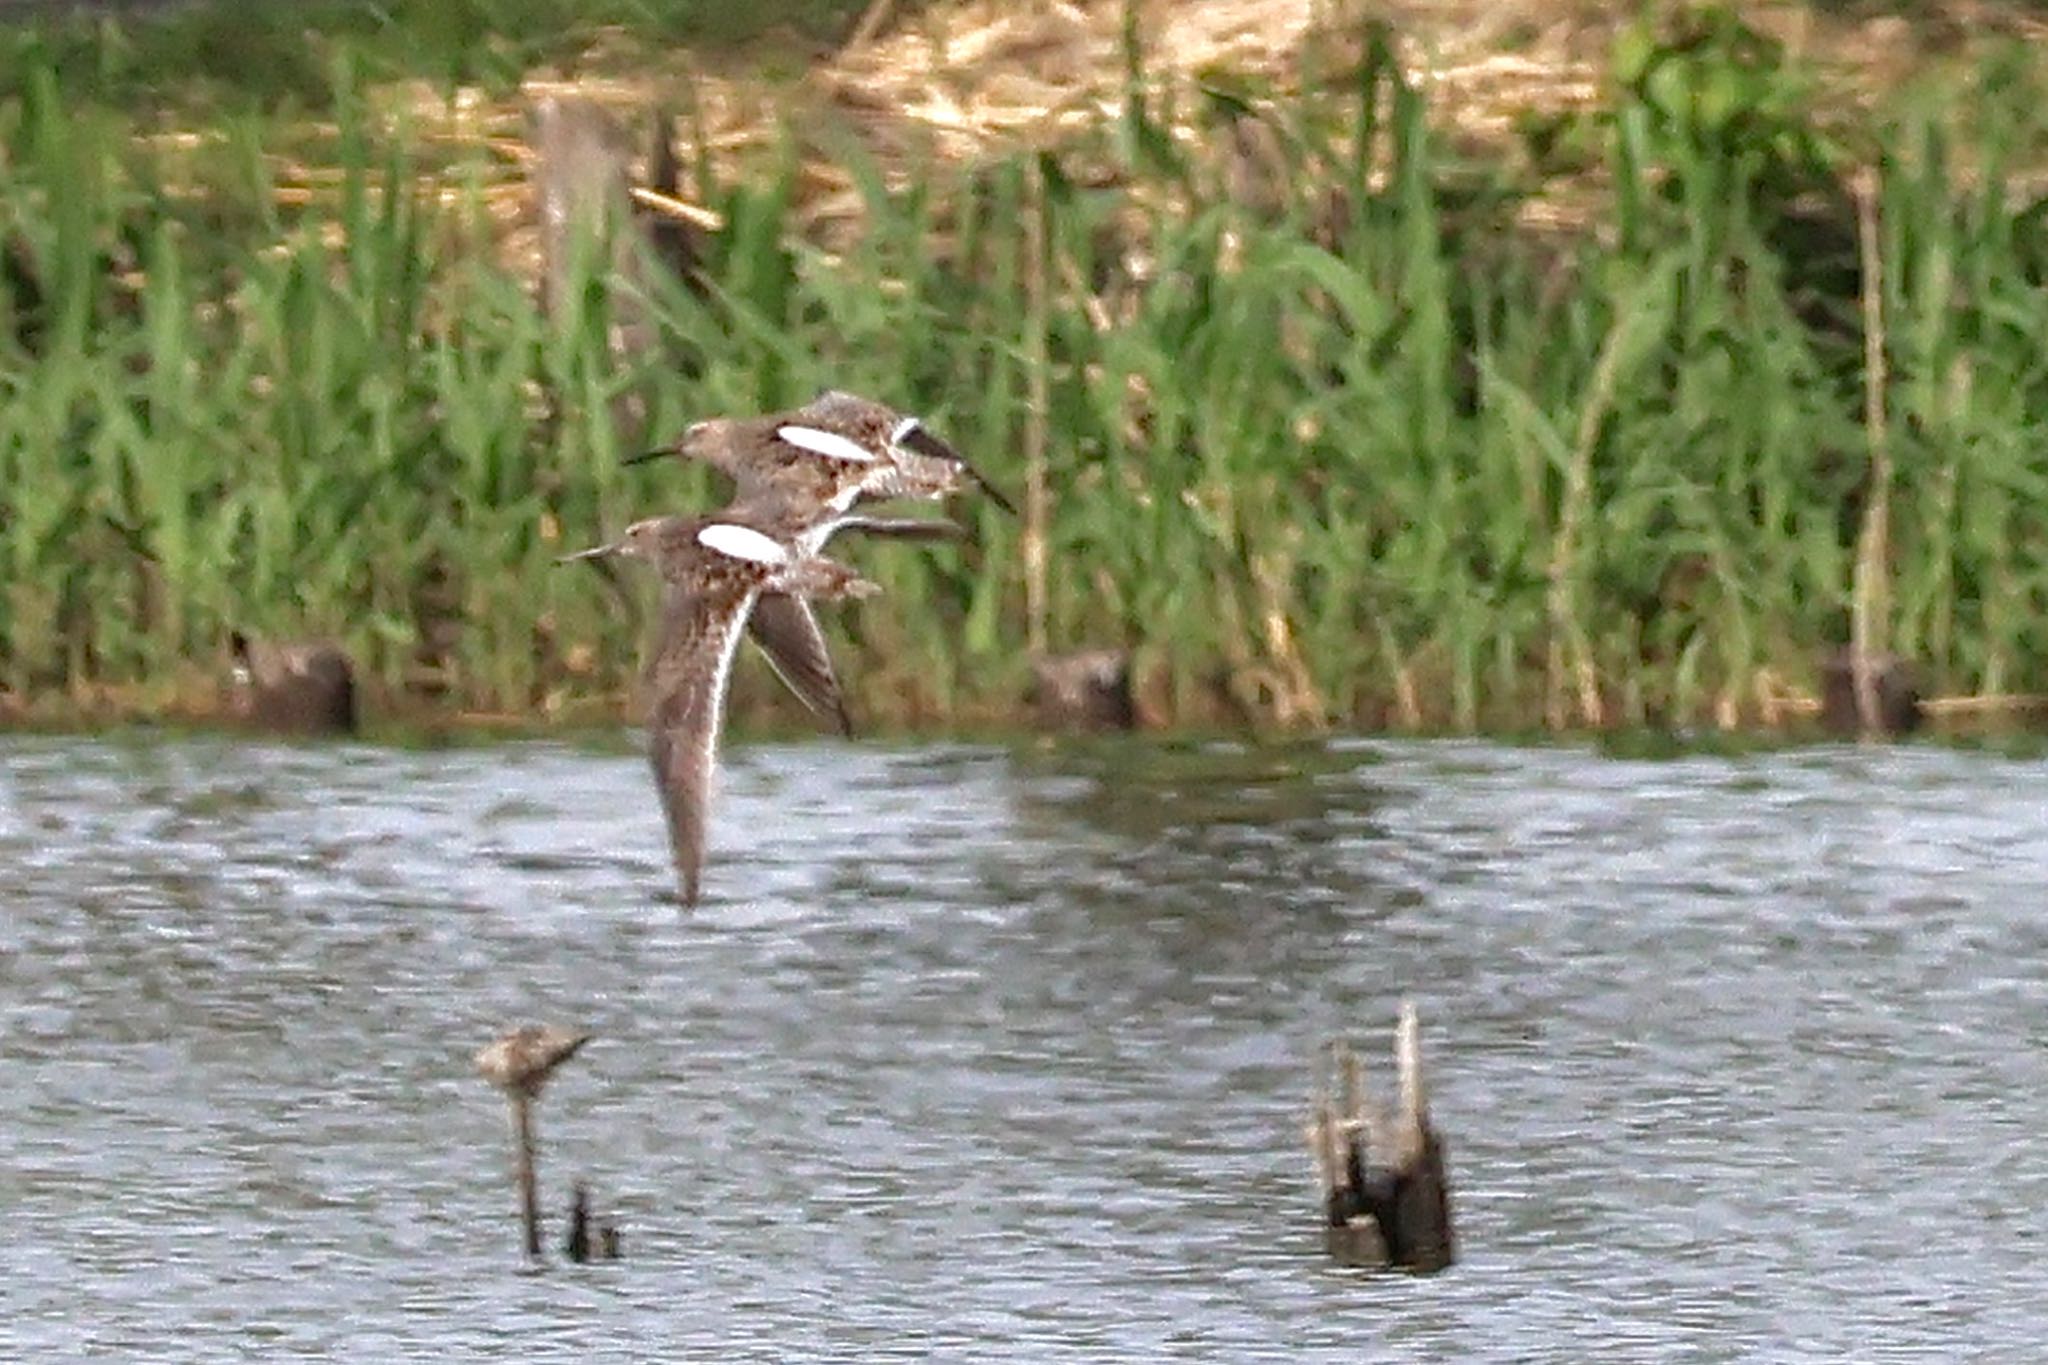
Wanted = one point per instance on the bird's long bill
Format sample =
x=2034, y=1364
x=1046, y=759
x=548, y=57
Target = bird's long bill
x=594, y=552
x=644, y=456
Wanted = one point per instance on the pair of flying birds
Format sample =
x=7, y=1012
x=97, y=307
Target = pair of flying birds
x=756, y=566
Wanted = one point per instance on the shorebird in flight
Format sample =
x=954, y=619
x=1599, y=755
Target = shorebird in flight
x=818, y=460
x=714, y=571
x=799, y=474
x=783, y=624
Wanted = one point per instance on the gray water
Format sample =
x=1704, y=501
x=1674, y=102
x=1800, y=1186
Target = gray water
x=982, y=1054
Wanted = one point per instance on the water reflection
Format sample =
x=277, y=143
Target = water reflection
x=974, y=1051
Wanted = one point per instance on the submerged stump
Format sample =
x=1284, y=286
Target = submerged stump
x=590, y=1238
x=1895, y=688
x=1385, y=1186
x=1089, y=689
x=303, y=687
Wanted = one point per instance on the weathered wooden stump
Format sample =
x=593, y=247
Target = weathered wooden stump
x=593, y=215
x=1385, y=1186
x=580, y=181
x=589, y=1239
x=587, y=198
x=296, y=688
x=1089, y=689
x=520, y=1064
x=1896, y=690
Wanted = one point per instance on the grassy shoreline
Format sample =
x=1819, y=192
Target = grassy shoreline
x=1326, y=431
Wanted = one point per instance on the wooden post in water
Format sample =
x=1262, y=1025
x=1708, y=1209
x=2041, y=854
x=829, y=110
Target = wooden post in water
x=292, y=687
x=529, y=1182
x=1385, y=1186
x=519, y=1064
x=590, y=1238
x=1089, y=689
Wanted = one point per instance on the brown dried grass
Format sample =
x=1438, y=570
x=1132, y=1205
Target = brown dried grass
x=961, y=82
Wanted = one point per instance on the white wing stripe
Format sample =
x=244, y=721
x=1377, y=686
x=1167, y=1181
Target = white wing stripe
x=827, y=443
x=735, y=625
x=742, y=542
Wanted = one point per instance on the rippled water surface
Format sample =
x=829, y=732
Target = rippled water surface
x=976, y=1053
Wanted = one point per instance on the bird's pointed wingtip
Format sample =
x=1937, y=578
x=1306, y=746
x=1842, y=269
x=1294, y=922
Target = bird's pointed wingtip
x=987, y=485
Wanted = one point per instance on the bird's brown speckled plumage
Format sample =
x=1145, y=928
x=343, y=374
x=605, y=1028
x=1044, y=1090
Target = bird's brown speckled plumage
x=799, y=474
x=784, y=626
x=708, y=595
x=818, y=460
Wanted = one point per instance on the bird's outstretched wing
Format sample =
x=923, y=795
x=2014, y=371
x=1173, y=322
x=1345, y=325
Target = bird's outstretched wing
x=687, y=681
x=919, y=439
x=787, y=631
x=862, y=421
x=901, y=528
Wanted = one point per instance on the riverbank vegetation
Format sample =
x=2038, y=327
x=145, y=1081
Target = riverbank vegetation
x=1625, y=413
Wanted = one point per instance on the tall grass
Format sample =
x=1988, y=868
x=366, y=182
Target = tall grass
x=1358, y=450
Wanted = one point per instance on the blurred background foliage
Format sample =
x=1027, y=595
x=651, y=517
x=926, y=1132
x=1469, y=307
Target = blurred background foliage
x=1340, y=419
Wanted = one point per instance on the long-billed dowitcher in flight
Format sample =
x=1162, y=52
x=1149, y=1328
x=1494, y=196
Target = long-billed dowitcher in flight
x=799, y=474
x=818, y=460
x=714, y=569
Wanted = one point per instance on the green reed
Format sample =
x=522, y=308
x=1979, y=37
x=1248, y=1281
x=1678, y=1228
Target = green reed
x=1353, y=448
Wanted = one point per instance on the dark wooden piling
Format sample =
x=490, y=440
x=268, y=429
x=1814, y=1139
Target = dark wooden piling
x=1089, y=689
x=590, y=1238
x=1894, y=695
x=1385, y=1182
x=529, y=1179
x=676, y=230
x=304, y=687
x=576, y=1246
